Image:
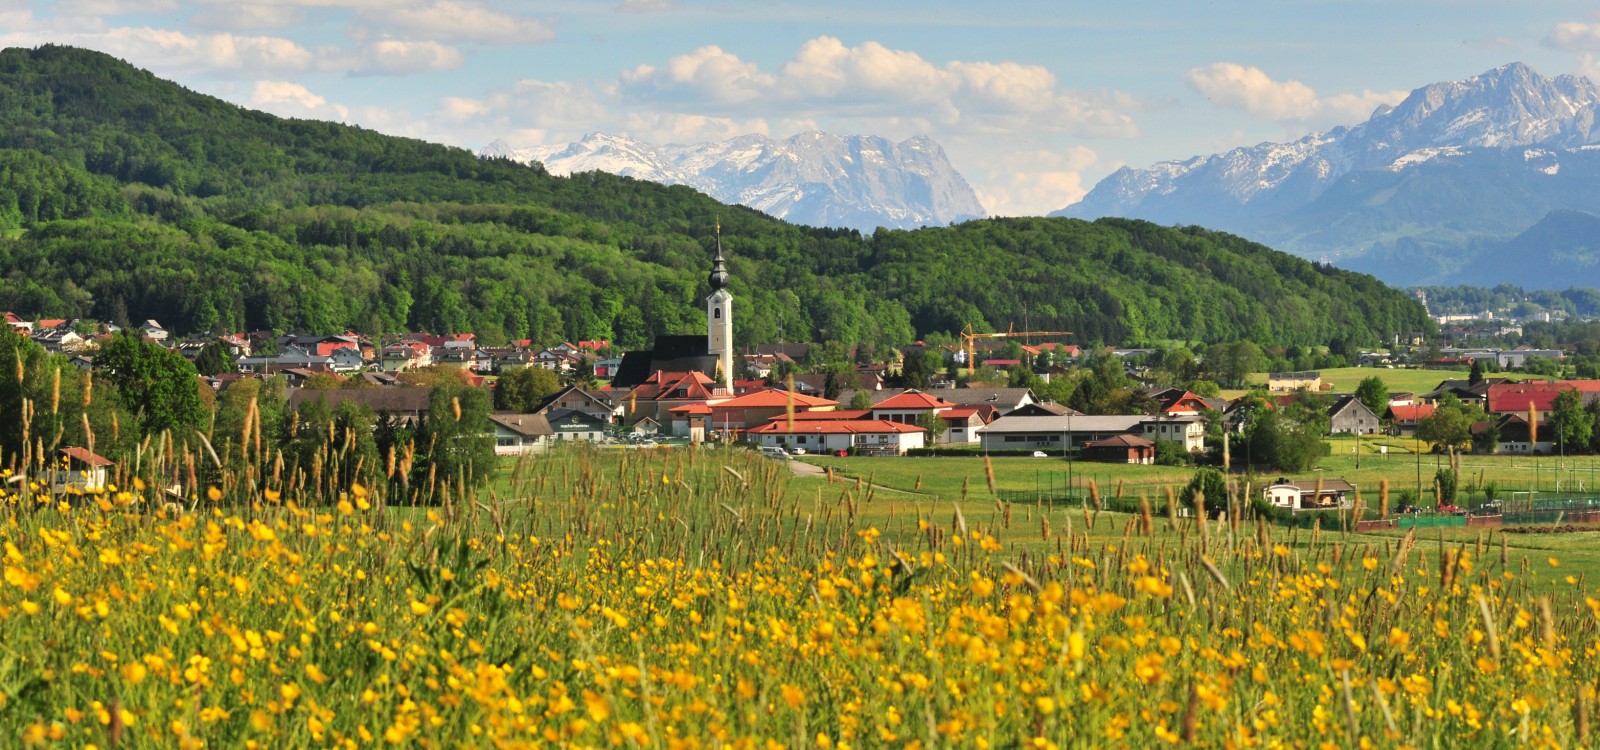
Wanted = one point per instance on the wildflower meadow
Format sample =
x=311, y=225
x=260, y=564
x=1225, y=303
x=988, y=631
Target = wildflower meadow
x=708, y=598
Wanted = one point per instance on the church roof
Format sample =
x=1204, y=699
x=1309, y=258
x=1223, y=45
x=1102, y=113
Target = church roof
x=676, y=353
x=675, y=386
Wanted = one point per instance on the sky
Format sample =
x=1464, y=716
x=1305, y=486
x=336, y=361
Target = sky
x=1033, y=101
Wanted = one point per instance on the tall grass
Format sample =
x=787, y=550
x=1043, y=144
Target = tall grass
x=707, y=598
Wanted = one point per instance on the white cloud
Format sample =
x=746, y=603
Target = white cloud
x=455, y=21
x=1235, y=86
x=248, y=16
x=1251, y=90
x=646, y=6
x=826, y=77
x=289, y=99
x=706, y=76
x=1589, y=67
x=1574, y=36
x=396, y=57
x=1033, y=182
x=108, y=8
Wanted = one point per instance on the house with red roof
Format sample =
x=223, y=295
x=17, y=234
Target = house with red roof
x=908, y=406
x=692, y=421
x=1121, y=449
x=80, y=470
x=961, y=423
x=859, y=436
x=1404, y=418
x=759, y=407
x=16, y=322
x=1516, y=398
x=1177, y=402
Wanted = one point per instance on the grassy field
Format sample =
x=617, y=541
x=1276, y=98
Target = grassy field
x=1345, y=379
x=679, y=598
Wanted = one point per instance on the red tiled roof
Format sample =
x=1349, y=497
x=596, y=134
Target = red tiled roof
x=837, y=415
x=691, y=409
x=775, y=397
x=1412, y=413
x=1517, y=397
x=913, y=400
x=82, y=454
x=825, y=427
x=1123, y=441
x=695, y=385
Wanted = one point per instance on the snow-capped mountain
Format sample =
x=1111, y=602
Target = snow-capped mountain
x=1454, y=164
x=814, y=178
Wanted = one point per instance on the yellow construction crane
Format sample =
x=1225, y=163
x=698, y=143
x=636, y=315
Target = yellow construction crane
x=968, y=336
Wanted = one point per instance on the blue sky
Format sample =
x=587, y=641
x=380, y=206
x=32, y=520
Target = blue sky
x=1033, y=101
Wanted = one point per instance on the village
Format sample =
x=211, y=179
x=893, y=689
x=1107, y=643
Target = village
x=695, y=389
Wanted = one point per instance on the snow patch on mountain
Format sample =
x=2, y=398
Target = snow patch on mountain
x=862, y=182
x=1509, y=107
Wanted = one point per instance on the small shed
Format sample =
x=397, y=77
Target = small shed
x=81, y=470
x=1130, y=449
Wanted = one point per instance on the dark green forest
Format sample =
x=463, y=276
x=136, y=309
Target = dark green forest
x=124, y=197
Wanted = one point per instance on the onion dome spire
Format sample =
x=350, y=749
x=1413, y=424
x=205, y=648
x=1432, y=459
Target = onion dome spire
x=719, y=265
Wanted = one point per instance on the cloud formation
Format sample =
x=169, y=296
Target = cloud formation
x=1574, y=36
x=455, y=21
x=826, y=76
x=1250, y=90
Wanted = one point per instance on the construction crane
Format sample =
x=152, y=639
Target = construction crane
x=968, y=336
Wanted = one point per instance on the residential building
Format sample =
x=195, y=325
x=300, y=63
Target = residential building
x=865, y=436
x=1294, y=381
x=568, y=426
x=1188, y=431
x=516, y=434
x=1348, y=416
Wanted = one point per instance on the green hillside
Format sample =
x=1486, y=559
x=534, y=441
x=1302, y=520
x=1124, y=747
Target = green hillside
x=139, y=199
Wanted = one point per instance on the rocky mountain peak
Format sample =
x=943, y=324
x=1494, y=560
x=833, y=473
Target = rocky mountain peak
x=814, y=178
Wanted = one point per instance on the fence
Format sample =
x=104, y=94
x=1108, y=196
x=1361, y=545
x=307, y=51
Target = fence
x=1430, y=522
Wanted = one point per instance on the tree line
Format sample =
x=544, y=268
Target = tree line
x=127, y=197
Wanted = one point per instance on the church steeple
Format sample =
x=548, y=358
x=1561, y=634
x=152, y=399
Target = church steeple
x=719, y=265
x=719, y=317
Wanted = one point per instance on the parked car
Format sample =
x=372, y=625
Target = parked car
x=772, y=451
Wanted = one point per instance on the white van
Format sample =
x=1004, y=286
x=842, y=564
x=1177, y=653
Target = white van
x=773, y=451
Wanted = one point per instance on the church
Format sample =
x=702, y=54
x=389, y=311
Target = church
x=710, y=355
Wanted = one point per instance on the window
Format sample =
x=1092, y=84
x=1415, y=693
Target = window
x=716, y=313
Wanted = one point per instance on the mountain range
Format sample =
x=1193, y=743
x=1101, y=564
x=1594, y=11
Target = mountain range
x=1436, y=190
x=859, y=182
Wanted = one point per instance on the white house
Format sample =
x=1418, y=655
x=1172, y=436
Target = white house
x=908, y=406
x=1328, y=494
x=347, y=359
x=1188, y=431
x=80, y=471
x=567, y=425
x=862, y=436
x=516, y=434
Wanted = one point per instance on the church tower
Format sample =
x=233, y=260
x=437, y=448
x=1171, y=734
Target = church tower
x=719, y=318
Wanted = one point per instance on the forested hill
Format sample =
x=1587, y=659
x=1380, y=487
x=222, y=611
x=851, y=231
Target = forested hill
x=125, y=197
